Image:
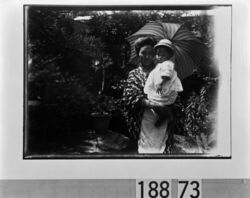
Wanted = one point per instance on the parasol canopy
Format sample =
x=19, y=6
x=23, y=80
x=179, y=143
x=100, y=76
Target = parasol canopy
x=187, y=47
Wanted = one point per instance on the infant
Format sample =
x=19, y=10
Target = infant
x=162, y=85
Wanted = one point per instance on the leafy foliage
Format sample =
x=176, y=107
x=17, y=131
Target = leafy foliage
x=196, y=115
x=104, y=105
x=61, y=71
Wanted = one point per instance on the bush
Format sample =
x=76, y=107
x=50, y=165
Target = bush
x=196, y=114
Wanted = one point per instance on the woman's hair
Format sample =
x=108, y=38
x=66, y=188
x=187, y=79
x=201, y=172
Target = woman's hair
x=142, y=41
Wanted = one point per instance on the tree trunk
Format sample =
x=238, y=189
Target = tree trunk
x=103, y=79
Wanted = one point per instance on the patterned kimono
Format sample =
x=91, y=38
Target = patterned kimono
x=133, y=93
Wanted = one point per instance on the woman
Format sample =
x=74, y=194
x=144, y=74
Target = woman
x=150, y=139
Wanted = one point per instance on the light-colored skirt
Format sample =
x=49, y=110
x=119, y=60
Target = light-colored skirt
x=152, y=139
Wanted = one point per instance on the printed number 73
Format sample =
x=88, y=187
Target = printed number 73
x=187, y=192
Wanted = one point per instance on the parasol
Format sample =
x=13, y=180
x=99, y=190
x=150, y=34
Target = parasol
x=187, y=47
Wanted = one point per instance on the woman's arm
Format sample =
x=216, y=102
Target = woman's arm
x=144, y=102
x=150, y=104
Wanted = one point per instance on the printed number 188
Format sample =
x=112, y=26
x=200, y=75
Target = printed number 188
x=153, y=189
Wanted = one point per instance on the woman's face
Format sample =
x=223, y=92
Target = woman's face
x=146, y=55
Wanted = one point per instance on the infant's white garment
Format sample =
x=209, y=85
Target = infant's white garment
x=169, y=88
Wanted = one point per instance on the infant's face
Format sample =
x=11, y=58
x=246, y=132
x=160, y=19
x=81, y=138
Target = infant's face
x=162, y=54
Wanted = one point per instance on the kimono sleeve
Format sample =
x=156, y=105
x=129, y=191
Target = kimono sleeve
x=133, y=90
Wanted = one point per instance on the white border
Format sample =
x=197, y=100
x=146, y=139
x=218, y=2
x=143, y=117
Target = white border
x=12, y=166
